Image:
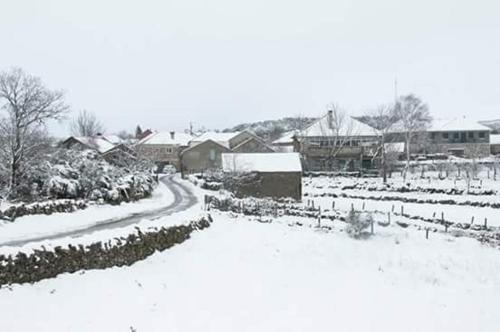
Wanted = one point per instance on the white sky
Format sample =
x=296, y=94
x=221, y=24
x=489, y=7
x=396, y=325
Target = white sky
x=217, y=63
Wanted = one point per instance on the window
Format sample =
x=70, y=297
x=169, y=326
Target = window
x=169, y=150
x=482, y=135
x=455, y=135
x=445, y=135
x=471, y=134
x=212, y=154
x=433, y=135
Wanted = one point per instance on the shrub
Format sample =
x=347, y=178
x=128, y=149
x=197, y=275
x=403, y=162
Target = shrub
x=357, y=223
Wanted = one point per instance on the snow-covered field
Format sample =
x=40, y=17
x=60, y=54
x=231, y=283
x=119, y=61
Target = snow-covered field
x=315, y=188
x=284, y=274
x=242, y=275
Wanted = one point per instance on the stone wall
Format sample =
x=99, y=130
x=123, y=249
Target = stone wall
x=44, y=264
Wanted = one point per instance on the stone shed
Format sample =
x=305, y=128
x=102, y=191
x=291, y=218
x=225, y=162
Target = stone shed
x=276, y=175
x=202, y=157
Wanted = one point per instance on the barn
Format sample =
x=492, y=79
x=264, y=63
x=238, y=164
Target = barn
x=275, y=175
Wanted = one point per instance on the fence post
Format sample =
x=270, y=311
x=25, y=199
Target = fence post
x=485, y=223
x=371, y=227
x=427, y=233
x=389, y=218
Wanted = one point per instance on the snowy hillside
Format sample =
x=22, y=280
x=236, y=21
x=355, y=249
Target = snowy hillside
x=273, y=129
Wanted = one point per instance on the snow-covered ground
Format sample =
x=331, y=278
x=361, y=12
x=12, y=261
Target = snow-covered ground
x=242, y=275
x=454, y=213
x=44, y=225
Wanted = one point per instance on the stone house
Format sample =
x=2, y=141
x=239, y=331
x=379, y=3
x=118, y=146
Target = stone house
x=163, y=148
x=326, y=148
x=202, y=157
x=276, y=175
x=113, y=153
x=459, y=137
x=204, y=152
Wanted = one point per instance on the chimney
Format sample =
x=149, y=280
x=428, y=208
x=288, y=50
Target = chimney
x=172, y=134
x=329, y=119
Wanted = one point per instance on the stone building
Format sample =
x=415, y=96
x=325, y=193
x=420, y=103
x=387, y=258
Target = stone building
x=326, y=148
x=203, y=157
x=163, y=148
x=460, y=137
x=276, y=175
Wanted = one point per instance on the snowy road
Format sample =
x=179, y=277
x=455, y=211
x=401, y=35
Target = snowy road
x=184, y=198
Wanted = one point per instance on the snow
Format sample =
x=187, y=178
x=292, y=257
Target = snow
x=351, y=127
x=494, y=139
x=165, y=138
x=286, y=138
x=44, y=225
x=241, y=275
x=98, y=143
x=261, y=162
x=457, y=124
x=221, y=138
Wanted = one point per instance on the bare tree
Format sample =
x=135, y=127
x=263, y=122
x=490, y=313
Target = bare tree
x=28, y=105
x=414, y=118
x=383, y=120
x=86, y=124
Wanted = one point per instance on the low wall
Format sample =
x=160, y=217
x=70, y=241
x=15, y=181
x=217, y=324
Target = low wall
x=44, y=264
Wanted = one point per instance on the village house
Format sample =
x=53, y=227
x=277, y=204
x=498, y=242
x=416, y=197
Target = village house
x=276, y=175
x=204, y=152
x=202, y=157
x=109, y=147
x=163, y=148
x=459, y=137
x=327, y=147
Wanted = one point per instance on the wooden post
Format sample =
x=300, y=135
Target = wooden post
x=333, y=205
x=427, y=233
x=472, y=220
x=389, y=218
x=485, y=223
x=402, y=209
x=392, y=208
x=312, y=201
x=363, y=206
x=371, y=227
x=442, y=216
x=434, y=215
x=446, y=227
x=352, y=206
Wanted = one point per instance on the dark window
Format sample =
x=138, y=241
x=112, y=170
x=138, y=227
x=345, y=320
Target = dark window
x=455, y=135
x=445, y=135
x=482, y=135
x=471, y=134
x=433, y=135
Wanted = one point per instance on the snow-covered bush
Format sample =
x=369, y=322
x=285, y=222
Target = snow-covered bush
x=84, y=174
x=357, y=223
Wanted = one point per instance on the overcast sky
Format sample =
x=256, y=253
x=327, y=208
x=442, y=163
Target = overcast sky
x=217, y=63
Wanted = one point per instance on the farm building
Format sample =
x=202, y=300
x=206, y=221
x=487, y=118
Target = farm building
x=202, y=157
x=276, y=175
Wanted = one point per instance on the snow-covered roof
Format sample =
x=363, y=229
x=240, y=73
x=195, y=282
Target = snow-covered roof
x=457, y=124
x=165, y=138
x=261, y=162
x=494, y=139
x=221, y=138
x=395, y=147
x=113, y=139
x=286, y=138
x=351, y=127
x=100, y=144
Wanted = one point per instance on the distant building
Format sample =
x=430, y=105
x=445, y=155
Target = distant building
x=203, y=157
x=325, y=148
x=163, y=148
x=204, y=151
x=460, y=137
x=116, y=153
x=495, y=144
x=276, y=175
